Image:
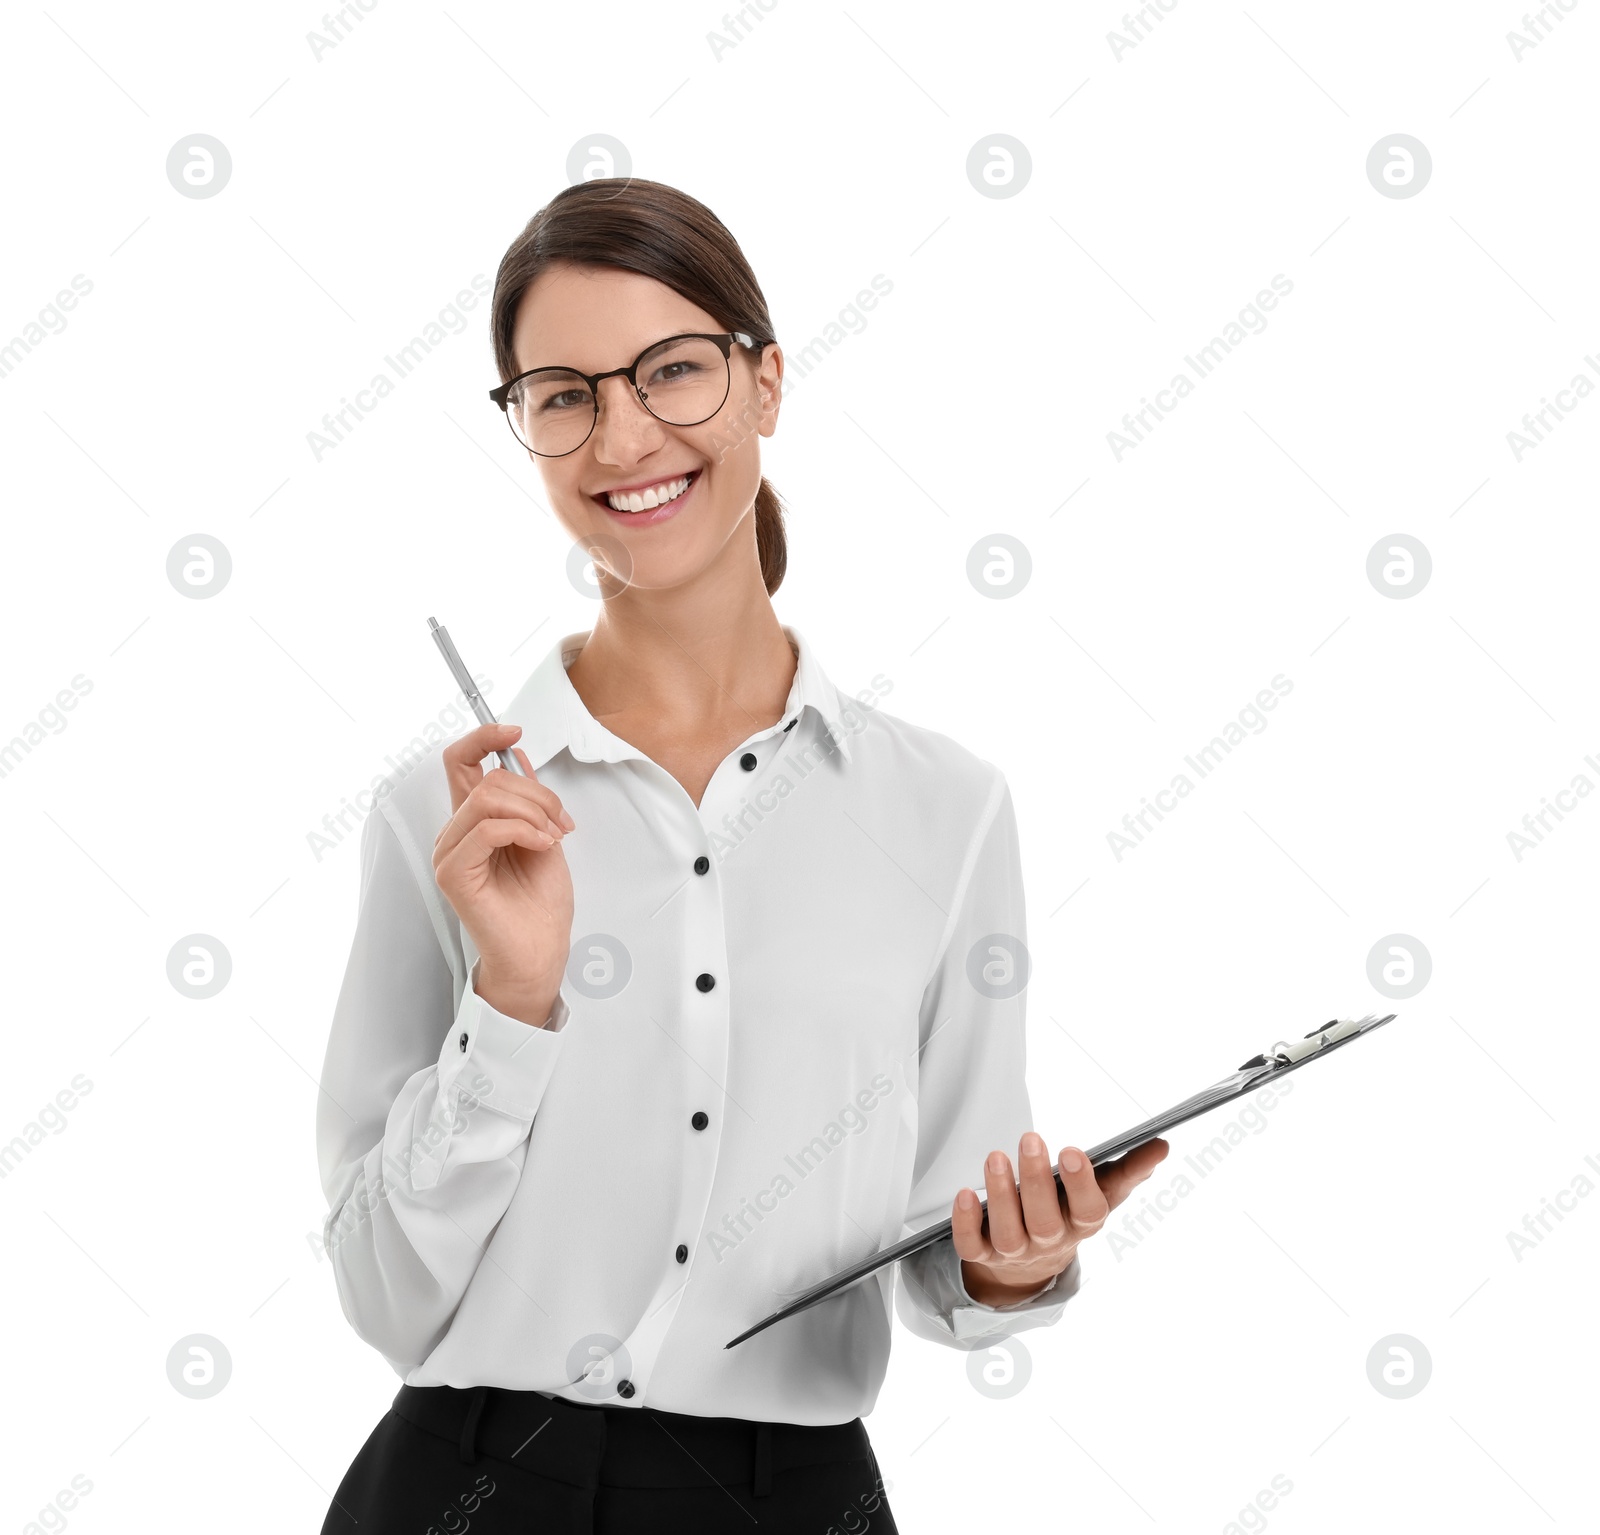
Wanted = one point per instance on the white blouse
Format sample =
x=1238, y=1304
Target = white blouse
x=792, y=1026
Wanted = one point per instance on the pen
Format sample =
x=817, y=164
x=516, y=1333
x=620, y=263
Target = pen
x=441, y=637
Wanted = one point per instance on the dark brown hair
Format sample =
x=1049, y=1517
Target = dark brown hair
x=656, y=230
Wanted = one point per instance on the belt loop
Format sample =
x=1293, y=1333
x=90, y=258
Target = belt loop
x=761, y=1479
x=469, y=1428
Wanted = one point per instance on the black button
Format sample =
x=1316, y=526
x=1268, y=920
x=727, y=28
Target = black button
x=748, y=762
x=624, y=1388
x=683, y=1253
x=699, y=1121
x=790, y=726
x=705, y=982
x=463, y=1044
x=701, y=864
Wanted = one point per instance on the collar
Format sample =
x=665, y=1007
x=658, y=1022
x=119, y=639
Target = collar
x=553, y=716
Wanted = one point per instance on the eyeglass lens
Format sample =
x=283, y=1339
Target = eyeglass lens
x=683, y=383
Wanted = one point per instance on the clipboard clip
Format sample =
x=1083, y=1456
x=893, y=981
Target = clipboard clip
x=1334, y=1031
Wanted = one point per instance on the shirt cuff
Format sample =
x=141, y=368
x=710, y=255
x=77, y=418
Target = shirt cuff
x=971, y=1318
x=935, y=1292
x=498, y=1061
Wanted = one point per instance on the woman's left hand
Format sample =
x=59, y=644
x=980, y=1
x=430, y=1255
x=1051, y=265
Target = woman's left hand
x=1033, y=1236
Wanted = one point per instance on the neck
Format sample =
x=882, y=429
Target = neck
x=711, y=649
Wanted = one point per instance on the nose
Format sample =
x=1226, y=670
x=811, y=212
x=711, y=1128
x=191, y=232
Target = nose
x=626, y=431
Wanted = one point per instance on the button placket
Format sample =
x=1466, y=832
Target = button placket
x=705, y=1014
x=699, y=1119
x=749, y=759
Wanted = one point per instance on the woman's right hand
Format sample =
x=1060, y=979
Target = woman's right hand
x=499, y=862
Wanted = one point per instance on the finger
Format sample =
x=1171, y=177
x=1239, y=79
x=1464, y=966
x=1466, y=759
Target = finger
x=492, y=803
x=540, y=794
x=480, y=844
x=1041, y=1200
x=462, y=756
x=1007, y=1235
x=966, y=1228
x=560, y=809
x=1123, y=1176
x=1087, y=1205
x=530, y=788
x=500, y=792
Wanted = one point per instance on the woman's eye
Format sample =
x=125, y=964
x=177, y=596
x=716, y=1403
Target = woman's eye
x=674, y=372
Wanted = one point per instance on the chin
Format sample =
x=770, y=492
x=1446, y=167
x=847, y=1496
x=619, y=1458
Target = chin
x=667, y=554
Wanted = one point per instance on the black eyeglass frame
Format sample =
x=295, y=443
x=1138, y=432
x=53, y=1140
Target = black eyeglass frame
x=724, y=339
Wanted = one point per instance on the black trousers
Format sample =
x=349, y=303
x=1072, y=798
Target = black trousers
x=444, y=1460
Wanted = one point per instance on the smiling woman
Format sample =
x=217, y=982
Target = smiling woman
x=574, y=1036
x=668, y=277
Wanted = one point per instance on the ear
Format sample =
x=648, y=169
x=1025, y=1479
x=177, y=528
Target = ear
x=769, y=387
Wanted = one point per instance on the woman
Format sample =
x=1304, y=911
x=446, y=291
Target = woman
x=725, y=994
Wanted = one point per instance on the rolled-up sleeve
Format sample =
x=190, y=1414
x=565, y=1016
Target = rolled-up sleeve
x=422, y=1118
x=972, y=1095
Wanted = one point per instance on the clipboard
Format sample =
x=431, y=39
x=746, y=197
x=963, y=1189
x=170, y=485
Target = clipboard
x=1259, y=1071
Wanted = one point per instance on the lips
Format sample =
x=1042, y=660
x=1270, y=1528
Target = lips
x=650, y=516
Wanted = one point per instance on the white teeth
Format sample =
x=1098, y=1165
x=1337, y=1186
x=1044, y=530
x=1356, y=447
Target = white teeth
x=652, y=496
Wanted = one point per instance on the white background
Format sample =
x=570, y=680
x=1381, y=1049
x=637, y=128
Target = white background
x=1168, y=186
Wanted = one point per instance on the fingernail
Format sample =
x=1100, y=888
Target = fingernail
x=1072, y=1161
x=1032, y=1144
x=571, y=825
x=997, y=1162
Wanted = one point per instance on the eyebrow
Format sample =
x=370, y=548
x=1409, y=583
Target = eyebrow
x=637, y=352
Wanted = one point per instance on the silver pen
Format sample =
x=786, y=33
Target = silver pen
x=441, y=637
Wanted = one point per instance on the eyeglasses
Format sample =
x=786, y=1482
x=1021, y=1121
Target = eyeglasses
x=681, y=381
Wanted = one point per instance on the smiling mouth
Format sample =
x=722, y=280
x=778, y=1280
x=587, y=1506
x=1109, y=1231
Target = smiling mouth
x=651, y=498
